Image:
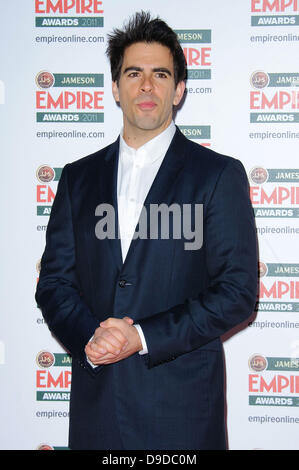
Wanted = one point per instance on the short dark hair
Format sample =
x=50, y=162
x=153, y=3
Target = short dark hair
x=142, y=28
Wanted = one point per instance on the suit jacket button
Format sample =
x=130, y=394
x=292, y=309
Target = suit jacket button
x=122, y=283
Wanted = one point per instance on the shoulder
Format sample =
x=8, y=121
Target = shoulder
x=205, y=161
x=91, y=162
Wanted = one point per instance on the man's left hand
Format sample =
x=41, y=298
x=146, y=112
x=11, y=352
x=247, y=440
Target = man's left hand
x=125, y=325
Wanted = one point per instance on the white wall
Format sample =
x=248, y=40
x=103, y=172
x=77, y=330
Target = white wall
x=262, y=404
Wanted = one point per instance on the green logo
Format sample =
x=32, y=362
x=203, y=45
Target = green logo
x=196, y=132
x=192, y=36
x=69, y=22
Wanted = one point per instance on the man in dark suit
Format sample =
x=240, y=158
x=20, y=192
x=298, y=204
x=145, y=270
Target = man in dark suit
x=142, y=316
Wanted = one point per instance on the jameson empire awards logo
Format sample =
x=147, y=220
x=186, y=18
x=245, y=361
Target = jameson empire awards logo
x=279, y=287
x=275, y=97
x=273, y=381
x=274, y=192
x=53, y=377
x=69, y=98
x=47, y=177
x=196, y=44
x=69, y=13
x=274, y=12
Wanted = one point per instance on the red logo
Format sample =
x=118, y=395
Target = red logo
x=45, y=359
x=258, y=363
x=45, y=79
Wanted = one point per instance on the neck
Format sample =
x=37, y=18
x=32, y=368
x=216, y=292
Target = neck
x=139, y=137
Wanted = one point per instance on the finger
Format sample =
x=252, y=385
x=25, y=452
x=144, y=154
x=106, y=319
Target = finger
x=94, y=354
x=115, y=337
x=114, y=322
x=99, y=350
x=109, y=359
x=95, y=357
x=118, y=334
x=106, y=359
x=128, y=320
x=102, y=331
x=92, y=357
x=106, y=323
x=106, y=343
x=103, y=348
x=96, y=348
x=98, y=359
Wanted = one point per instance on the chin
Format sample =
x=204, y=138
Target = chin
x=149, y=125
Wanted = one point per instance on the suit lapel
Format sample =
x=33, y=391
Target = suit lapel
x=164, y=181
x=159, y=192
x=109, y=196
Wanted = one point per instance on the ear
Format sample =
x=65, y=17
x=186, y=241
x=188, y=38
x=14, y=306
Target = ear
x=179, y=91
x=115, y=91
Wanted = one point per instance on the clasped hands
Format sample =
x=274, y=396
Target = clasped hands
x=114, y=340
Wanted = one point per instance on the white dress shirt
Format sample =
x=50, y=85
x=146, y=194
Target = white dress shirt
x=136, y=172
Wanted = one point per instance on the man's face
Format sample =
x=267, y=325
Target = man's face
x=146, y=89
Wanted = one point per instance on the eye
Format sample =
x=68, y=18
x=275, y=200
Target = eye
x=161, y=75
x=133, y=74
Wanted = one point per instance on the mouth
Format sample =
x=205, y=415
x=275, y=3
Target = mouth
x=145, y=105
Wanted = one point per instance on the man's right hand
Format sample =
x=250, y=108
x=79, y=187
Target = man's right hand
x=106, y=342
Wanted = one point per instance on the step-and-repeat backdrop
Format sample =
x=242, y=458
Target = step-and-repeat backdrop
x=242, y=99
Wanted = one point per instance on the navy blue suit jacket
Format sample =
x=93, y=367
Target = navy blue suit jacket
x=184, y=300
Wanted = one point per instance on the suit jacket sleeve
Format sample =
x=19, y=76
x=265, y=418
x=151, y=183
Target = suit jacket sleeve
x=230, y=246
x=58, y=289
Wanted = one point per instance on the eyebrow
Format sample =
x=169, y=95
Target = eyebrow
x=140, y=69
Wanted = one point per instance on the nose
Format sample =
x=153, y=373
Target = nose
x=146, y=85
